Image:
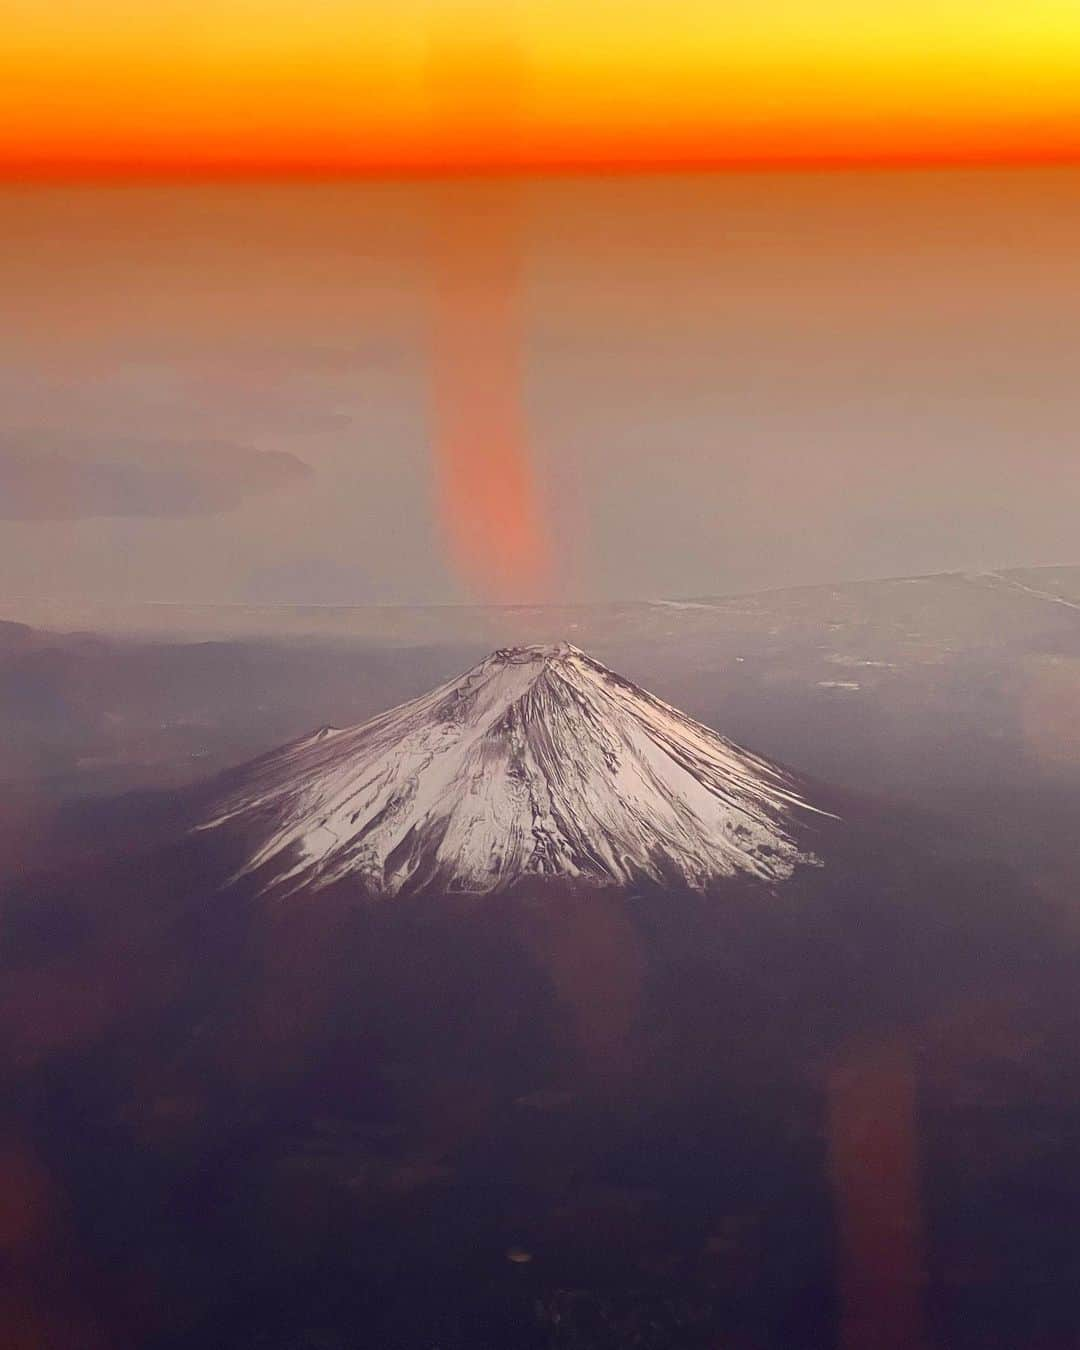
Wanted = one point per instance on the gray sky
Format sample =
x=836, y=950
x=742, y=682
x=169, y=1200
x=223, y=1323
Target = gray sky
x=731, y=383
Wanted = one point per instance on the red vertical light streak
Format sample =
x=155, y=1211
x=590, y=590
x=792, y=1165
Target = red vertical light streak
x=873, y=1159
x=488, y=498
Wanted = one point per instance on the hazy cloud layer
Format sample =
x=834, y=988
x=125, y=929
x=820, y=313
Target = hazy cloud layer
x=168, y=480
x=731, y=382
x=311, y=580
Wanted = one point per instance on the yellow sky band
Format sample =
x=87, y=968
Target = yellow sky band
x=265, y=83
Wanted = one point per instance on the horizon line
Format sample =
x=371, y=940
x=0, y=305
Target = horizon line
x=244, y=171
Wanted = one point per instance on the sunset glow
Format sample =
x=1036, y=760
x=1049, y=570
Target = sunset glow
x=252, y=86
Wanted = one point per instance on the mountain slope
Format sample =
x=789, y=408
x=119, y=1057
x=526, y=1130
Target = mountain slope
x=538, y=762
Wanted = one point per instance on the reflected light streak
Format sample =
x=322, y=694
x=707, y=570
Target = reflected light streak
x=488, y=499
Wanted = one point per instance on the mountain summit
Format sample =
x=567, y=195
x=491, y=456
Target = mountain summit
x=538, y=762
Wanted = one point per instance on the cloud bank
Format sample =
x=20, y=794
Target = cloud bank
x=54, y=481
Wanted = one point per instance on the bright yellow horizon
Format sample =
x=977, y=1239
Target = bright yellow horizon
x=238, y=86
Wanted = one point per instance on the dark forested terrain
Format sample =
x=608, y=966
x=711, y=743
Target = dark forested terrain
x=846, y=1112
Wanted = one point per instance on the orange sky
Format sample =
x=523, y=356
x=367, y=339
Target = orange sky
x=126, y=86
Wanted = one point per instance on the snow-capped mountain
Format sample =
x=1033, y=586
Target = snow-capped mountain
x=538, y=762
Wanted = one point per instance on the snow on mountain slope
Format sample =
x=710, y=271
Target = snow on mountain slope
x=538, y=762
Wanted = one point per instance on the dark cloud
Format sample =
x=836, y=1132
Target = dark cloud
x=49, y=481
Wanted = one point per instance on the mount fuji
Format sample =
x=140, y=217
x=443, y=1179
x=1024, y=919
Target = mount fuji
x=540, y=762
